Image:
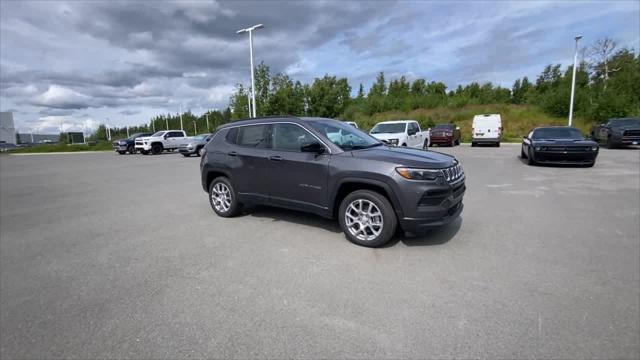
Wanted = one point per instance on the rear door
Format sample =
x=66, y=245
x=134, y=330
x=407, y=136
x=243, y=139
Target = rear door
x=297, y=179
x=248, y=159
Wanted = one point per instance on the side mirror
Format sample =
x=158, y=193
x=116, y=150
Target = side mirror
x=166, y=136
x=315, y=147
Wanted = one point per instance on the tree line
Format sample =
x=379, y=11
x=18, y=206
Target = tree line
x=607, y=85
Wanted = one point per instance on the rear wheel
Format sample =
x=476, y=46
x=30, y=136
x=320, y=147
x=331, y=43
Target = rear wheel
x=156, y=149
x=426, y=144
x=367, y=218
x=223, y=198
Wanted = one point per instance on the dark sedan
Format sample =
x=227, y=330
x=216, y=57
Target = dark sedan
x=558, y=145
x=445, y=134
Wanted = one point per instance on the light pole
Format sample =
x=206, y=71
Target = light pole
x=573, y=80
x=127, y=132
x=195, y=128
x=253, y=86
x=207, y=116
x=166, y=122
x=181, y=117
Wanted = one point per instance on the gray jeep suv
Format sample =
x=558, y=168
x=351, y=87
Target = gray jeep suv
x=332, y=169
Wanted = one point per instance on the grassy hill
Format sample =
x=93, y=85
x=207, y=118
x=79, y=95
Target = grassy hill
x=517, y=120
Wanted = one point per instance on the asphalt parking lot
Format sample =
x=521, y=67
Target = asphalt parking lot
x=108, y=256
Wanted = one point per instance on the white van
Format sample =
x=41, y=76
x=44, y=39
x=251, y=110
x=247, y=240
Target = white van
x=487, y=129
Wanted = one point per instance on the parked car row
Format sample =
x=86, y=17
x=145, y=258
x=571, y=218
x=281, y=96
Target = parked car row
x=156, y=143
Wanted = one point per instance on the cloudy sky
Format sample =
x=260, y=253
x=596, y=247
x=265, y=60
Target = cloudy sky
x=81, y=63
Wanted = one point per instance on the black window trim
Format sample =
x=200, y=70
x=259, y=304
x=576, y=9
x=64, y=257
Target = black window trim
x=282, y=122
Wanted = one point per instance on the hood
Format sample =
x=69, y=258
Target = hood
x=387, y=136
x=407, y=157
x=564, y=142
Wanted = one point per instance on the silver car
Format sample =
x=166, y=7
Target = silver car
x=194, y=145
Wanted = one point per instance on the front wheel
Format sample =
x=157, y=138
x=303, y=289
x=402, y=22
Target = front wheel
x=131, y=149
x=367, y=218
x=156, y=149
x=610, y=143
x=144, y=152
x=530, y=160
x=223, y=198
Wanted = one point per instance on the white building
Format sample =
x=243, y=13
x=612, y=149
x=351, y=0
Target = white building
x=7, y=129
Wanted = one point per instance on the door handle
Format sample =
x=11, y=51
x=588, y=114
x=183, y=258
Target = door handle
x=276, y=158
x=232, y=153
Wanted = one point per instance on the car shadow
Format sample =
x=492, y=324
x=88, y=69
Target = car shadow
x=437, y=236
x=297, y=217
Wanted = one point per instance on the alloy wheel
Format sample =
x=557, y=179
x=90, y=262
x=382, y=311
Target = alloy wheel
x=221, y=197
x=364, y=219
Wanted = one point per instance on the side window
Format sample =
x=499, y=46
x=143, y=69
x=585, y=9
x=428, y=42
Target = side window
x=415, y=126
x=232, y=136
x=252, y=136
x=290, y=137
x=530, y=134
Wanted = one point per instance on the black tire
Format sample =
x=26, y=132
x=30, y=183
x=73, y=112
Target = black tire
x=388, y=217
x=185, y=155
x=404, y=145
x=144, y=152
x=522, y=154
x=235, y=207
x=197, y=152
x=530, y=160
x=498, y=144
x=131, y=149
x=156, y=149
x=473, y=144
x=590, y=164
x=121, y=152
x=458, y=142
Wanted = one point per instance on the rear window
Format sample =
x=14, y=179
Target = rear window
x=232, y=136
x=252, y=136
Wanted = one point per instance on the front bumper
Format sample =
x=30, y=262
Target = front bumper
x=565, y=157
x=485, y=139
x=441, y=139
x=426, y=205
x=117, y=147
x=186, y=150
x=142, y=146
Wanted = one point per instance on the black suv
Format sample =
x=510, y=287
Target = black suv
x=332, y=169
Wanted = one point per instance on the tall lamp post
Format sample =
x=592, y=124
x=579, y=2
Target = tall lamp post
x=573, y=79
x=253, y=86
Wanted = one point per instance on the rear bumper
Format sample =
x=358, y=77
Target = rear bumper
x=186, y=150
x=485, y=140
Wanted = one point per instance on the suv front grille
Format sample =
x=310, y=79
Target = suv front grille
x=452, y=174
x=631, y=133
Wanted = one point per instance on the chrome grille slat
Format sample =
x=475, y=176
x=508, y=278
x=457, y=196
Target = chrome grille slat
x=452, y=174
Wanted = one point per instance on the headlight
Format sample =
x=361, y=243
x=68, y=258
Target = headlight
x=146, y=142
x=594, y=148
x=393, y=141
x=122, y=143
x=418, y=174
x=538, y=148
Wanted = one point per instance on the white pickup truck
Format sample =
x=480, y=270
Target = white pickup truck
x=160, y=141
x=402, y=133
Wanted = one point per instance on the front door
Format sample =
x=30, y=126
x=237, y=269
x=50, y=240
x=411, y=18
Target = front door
x=297, y=179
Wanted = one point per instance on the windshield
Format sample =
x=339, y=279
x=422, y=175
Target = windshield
x=625, y=122
x=158, y=134
x=137, y=135
x=389, y=128
x=443, y=127
x=344, y=135
x=558, y=133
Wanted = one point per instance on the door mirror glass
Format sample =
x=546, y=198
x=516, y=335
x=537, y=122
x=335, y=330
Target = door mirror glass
x=411, y=131
x=314, y=147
